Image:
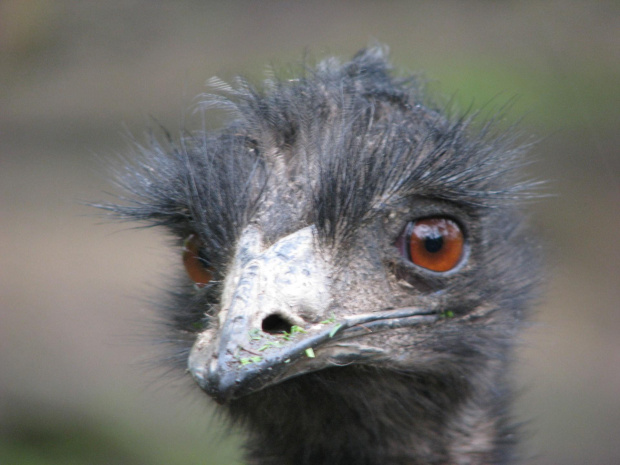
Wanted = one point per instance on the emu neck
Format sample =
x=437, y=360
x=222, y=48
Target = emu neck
x=365, y=416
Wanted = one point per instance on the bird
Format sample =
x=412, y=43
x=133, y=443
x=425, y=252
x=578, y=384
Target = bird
x=356, y=264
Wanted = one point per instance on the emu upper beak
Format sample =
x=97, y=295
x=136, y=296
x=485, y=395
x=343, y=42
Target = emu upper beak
x=287, y=282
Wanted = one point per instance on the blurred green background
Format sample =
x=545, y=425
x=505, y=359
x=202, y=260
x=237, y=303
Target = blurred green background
x=75, y=385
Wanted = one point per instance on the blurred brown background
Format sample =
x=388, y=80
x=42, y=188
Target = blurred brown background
x=75, y=76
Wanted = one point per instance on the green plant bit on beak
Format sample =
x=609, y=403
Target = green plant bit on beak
x=335, y=329
x=249, y=360
x=269, y=345
x=294, y=330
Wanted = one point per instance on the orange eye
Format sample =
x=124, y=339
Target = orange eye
x=195, y=266
x=435, y=243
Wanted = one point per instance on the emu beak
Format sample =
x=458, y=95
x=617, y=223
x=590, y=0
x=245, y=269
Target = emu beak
x=288, y=282
x=229, y=375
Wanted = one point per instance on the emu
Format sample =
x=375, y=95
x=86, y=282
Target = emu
x=357, y=267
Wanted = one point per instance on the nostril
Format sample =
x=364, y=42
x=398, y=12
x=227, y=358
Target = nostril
x=274, y=324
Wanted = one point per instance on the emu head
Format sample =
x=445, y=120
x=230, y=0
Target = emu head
x=340, y=219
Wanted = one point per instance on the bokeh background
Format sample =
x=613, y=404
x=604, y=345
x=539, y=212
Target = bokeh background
x=76, y=77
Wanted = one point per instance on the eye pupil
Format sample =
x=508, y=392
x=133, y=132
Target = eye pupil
x=433, y=244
